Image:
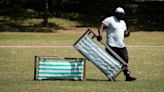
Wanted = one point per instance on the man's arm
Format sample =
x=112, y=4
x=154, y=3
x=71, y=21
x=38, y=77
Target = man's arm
x=101, y=29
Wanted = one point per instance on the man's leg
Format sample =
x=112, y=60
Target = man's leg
x=124, y=55
x=122, y=52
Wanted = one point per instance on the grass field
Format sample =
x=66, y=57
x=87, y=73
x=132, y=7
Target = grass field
x=17, y=64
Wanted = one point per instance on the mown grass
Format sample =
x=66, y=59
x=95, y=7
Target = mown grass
x=70, y=36
x=17, y=64
x=146, y=38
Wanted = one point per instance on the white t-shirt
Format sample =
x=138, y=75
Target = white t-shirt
x=115, y=31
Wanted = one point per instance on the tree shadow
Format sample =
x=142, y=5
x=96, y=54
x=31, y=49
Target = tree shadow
x=10, y=26
x=145, y=16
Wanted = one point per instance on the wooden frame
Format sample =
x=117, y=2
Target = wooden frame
x=61, y=68
x=89, y=47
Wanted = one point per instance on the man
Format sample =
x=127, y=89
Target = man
x=116, y=30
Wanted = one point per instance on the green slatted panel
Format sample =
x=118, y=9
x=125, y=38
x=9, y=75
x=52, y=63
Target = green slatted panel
x=52, y=68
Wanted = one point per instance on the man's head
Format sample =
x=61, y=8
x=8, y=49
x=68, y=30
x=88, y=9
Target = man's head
x=119, y=13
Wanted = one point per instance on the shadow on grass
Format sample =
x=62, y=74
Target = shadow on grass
x=96, y=80
x=14, y=26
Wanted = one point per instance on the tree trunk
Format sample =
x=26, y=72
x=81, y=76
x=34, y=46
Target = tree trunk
x=45, y=13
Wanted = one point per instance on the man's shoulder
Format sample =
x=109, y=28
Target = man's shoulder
x=110, y=17
x=123, y=22
x=107, y=21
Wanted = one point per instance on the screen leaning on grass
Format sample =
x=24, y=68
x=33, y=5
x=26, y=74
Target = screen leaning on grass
x=93, y=50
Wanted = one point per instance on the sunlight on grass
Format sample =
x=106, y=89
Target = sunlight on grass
x=34, y=21
x=64, y=22
x=17, y=64
x=17, y=72
x=9, y=24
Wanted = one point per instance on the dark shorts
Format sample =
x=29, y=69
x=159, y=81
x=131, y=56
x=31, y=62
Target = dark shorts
x=122, y=52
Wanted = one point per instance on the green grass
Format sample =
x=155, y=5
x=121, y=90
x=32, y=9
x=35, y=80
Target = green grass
x=17, y=64
x=60, y=37
x=146, y=38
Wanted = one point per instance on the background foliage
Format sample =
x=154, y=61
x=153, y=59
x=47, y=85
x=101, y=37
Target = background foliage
x=146, y=15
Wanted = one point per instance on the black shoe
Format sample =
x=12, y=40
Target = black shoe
x=130, y=79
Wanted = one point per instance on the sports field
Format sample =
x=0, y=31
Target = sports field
x=17, y=51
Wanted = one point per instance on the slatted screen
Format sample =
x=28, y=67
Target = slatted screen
x=59, y=68
x=88, y=46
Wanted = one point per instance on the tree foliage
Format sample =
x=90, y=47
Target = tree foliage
x=90, y=12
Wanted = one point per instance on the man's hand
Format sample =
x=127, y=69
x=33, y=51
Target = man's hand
x=126, y=34
x=99, y=38
x=100, y=31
